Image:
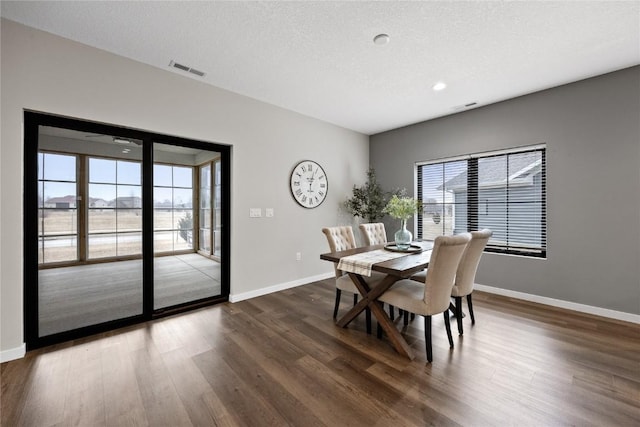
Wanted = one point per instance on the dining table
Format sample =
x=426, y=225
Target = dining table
x=395, y=264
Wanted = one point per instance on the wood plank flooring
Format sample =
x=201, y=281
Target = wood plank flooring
x=279, y=360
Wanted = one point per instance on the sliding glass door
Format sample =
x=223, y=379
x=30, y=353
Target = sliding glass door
x=120, y=226
x=182, y=194
x=89, y=230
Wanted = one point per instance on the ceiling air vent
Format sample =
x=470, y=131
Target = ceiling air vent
x=186, y=68
x=462, y=107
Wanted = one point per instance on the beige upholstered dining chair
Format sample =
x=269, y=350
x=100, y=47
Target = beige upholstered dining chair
x=432, y=297
x=466, y=274
x=341, y=239
x=373, y=233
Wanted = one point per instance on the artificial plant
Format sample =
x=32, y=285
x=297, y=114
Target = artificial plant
x=369, y=200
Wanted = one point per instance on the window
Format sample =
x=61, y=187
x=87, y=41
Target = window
x=172, y=208
x=114, y=208
x=57, y=208
x=210, y=225
x=205, y=208
x=503, y=191
x=100, y=216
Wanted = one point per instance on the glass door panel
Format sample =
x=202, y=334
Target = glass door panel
x=217, y=200
x=184, y=271
x=89, y=210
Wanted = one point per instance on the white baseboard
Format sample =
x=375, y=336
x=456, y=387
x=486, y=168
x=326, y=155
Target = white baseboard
x=598, y=311
x=278, y=287
x=13, y=353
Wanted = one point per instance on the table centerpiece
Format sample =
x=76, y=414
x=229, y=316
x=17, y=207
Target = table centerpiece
x=402, y=208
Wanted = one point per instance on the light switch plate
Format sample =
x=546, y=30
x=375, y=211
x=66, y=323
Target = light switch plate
x=268, y=212
x=255, y=212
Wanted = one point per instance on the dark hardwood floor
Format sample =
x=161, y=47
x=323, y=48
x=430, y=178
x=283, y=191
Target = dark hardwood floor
x=279, y=360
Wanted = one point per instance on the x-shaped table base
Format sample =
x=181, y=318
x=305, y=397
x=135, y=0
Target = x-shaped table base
x=370, y=299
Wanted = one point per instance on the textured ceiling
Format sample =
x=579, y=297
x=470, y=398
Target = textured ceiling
x=319, y=59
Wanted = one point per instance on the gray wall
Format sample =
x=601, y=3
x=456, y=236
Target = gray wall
x=592, y=132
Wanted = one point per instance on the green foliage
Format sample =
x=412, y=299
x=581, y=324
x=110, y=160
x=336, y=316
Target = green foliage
x=402, y=207
x=186, y=227
x=368, y=201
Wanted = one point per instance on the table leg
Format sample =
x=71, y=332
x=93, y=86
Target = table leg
x=389, y=327
x=369, y=299
x=359, y=307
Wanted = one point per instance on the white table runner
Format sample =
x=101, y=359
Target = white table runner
x=361, y=263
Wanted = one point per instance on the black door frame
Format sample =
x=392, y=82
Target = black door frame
x=32, y=122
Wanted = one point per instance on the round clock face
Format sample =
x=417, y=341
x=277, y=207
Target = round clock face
x=309, y=184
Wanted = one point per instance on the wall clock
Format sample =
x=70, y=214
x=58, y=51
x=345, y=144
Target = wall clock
x=309, y=184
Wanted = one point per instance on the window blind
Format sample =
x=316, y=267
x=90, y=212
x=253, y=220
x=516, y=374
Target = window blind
x=503, y=191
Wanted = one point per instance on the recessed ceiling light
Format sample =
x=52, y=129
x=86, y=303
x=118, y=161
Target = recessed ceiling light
x=381, y=39
x=439, y=86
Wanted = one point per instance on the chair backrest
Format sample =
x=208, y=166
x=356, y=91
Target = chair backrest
x=466, y=274
x=339, y=239
x=373, y=233
x=445, y=257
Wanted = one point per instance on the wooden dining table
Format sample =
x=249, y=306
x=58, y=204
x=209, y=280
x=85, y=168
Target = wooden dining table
x=395, y=269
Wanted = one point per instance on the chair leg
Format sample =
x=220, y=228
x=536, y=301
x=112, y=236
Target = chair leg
x=406, y=318
x=452, y=308
x=447, y=325
x=427, y=337
x=459, y=314
x=470, y=304
x=413, y=316
x=355, y=299
x=378, y=327
x=391, y=312
x=335, y=308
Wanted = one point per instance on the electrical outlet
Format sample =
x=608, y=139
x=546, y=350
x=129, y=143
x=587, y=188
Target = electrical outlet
x=268, y=212
x=298, y=256
x=255, y=212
